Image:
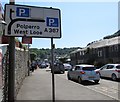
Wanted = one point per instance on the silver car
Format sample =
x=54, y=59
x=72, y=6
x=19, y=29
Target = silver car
x=110, y=71
x=83, y=72
x=67, y=66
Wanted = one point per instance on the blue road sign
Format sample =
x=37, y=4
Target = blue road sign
x=22, y=12
x=52, y=22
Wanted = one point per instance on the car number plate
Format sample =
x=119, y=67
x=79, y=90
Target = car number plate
x=91, y=77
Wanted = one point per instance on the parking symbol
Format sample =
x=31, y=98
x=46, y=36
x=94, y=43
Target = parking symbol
x=22, y=12
x=52, y=22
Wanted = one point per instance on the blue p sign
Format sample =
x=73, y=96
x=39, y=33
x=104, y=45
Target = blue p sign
x=22, y=12
x=52, y=22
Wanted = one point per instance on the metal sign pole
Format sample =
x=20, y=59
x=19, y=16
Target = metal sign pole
x=28, y=60
x=52, y=62
x=11, y=73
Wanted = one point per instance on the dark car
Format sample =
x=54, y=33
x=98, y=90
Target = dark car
x=42, y=65
x=58, y=68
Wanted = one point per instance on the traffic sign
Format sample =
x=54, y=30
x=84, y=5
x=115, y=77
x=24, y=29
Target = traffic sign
x=27, y=40
x=31, y=21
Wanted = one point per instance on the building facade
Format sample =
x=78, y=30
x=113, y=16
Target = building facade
x=98, y=52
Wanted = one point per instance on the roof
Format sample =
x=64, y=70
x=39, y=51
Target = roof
x=105, y=42
x=113, y=64
x=76, y=51
x=101, y=43
x=85, y=65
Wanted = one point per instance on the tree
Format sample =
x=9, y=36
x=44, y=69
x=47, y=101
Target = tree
x=33, y=56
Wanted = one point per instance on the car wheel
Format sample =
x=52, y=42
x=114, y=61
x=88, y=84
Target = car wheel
x=96, y=81
x=114, y=77
x=79, y=80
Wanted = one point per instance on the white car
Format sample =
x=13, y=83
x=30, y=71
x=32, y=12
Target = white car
x=67, y=66
x=110, y=71
x=83, y=72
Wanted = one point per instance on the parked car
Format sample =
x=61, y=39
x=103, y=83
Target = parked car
x=83, y=72
x=110, y=71
x=42, y=65
x=67, y=66
x=58, y=68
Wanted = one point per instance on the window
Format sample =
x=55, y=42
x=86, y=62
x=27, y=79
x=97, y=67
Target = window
x=110, y=66
x=77, y=68
x=104, y=67
x=118, y=67
x=88, y=68
x=80, y=53
x=100, y=53
x=116, y=48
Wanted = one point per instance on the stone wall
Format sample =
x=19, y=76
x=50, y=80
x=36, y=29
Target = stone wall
x=21, y=67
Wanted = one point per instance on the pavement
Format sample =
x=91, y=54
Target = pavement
x=37, y=86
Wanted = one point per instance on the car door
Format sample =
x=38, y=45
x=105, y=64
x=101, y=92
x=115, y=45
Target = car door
x=103, y=70
x=71, y=73
x=109, y=70
x=76, y=72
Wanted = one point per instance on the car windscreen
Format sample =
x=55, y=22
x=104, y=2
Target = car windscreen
x=118, y=67
x=88, y=68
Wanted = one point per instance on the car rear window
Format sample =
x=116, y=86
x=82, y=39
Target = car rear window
x=118, y=67
x=88, y=68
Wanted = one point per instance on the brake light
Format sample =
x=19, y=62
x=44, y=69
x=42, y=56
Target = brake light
x=117, y=71
x=82, y=72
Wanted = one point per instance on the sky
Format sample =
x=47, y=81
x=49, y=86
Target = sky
x=82, y=21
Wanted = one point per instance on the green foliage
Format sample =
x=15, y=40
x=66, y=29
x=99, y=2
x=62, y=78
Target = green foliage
x=33, y=56
x=63, y=60
x=17, y=40
x=46, y=53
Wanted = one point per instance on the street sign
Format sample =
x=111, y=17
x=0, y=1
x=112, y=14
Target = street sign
x=31, y=21
x=27, y=40
x=5, y=39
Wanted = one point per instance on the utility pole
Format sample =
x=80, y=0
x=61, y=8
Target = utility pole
x=11, y=71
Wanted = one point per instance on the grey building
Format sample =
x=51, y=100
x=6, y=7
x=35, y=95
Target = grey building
x=102, y=52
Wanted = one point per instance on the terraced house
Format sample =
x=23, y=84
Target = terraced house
x=99, y=52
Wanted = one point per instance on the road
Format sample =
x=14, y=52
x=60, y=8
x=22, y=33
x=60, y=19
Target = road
x=38, y=87
x=106, y=87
